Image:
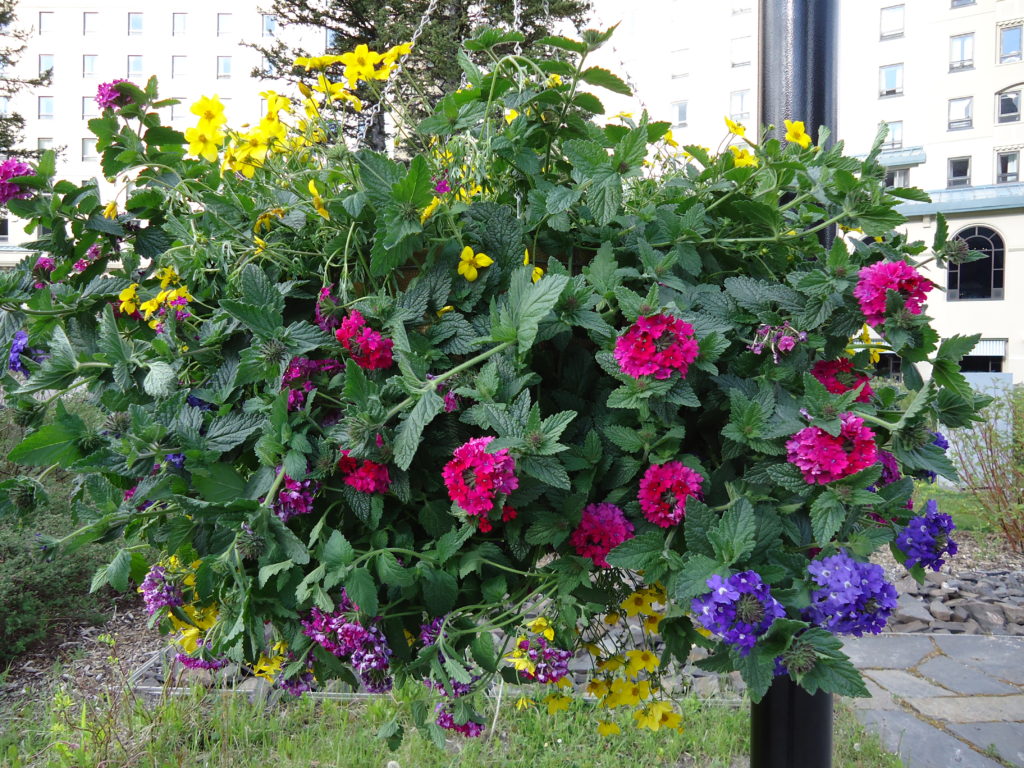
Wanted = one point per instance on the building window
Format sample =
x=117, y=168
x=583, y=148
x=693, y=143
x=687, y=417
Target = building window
x=134, y=23
x=46, y=107
x=961, y=3
x=959, y=174
x=223, y=24
x=179, y=66
x=89, y=149
x=680, y=63
x=5, y=105
x=45, y=22
x=89, y=108
x=223, y=67
x=1009, y=44
x=961, y=52
x=179, y=111
x=269, y=25
x=890, y=80
x=961, y=113
x=739, y=105
x=741, y=6
x=1007, y=167
x=90, y=23
x=178, y=24
x=891, y=22
x=897, y=177
x=889, y=366
x=45, y=63
x=44, y=144
x=89, y=65
x=894, y=138
x=1008, y=107
x=134, y=66
x=740, y=51
x=679, y=108
x=5, y=230
x=981, y=279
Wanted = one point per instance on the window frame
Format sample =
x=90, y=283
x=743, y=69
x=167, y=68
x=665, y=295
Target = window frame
x=895, y=34
x=175, y=32
x=49, y=68
x=952, y=182
x=685, y=103
x=128, y=68
x=175, y=74
x=996, y=257
x=225, y=30
x=223, y=74
x=897, y=90
x=746, y=49
x=960, y=123
x=272, y=27
x=961, y=3
x=132, y=16
x=744, y=113
x=95, y=59
x=1004, y=178
x=87, y=28
x=1016, y=56
x=999, y=112
x=89, y=107
x=40, y=115
x=963, y=64
x=894, y=138
x=43, y=147
x=95, y=154
x=900, y=177
x=47, y=27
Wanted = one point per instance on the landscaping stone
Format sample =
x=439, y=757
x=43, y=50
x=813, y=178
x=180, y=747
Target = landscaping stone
x=989, y=617
x=940, y=610
x=921, y=745
x=904, y=684
x=1005, y=739
x=971, y=709
x=909, y=608
x=962, y=678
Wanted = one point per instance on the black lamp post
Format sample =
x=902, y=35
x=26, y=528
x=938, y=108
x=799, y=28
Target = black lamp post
x=798, y=55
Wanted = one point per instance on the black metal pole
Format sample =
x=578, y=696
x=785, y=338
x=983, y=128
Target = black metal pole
x=790, y=728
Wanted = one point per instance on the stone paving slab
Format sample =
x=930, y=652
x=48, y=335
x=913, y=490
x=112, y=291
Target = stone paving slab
x=971, y=709
x=962, y=678
x=901, y=683
x=887, y=651
x=1006, y=739
x=921, y=745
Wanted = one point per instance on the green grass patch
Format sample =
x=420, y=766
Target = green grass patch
x=961, y=505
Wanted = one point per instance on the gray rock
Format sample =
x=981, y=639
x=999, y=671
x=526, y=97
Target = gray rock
x=908, y=585
x=948, y=626
x=959, y=613
x=940, y=610
x=971, y=627
x=911, y=609
x=1014, y=613
x=936, y=578
x=990, y=618
x=909, y=626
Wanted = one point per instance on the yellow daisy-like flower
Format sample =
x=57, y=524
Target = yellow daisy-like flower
x=510, y=115
x=360, y=64
x=317, y=62
x=637, y=602
x=166, y=276
x=737, y=129
x=465, y=195
x=110, y=210
x=622, y=116
x=669, y=139
x=429, y=210
x=396, y=52
x=611, y=664
x=189, y=640
x=524, y=702
x=743, y=158
x=557, y=703
x=470, y=263
x=129, y=299
x=795, y=133
x=630, y=693
x=204, y=142
x=264, y=220
x=538, y=273
x=553, y=81
x=210, y=112
x=444, y=310
x=318, y=202
x=598, y=687
x=268, y=668
x=651, y=623
x=657, y=715
x=261, y=244
x=541, y=626
x=611, y=619
x=608, y=728
x=640, y=661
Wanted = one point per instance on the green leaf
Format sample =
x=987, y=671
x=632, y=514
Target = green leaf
x=51, y=444
x=625, y=438
x=337, y=551
x=956, y=347
x=411, y=429
x=565, y=43
x=258, y=291
x=439, y=591
x=362, y=590
x=292, y=545
x=733, y=538
x=151, y=242
x=547, y=469
x=827, y=516
x=228, y=431
x=941, y=233
x=530, y=303
x=260, y=320
x=221, y=483
x=161, y=380
x=757, y=669
x=267, y=571
x=638, y=553
x=392, y=573
x=115, y=573
x=605, y=79
x=692, y=579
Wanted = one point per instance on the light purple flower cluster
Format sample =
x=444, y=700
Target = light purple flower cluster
x=19, y=343
x=326, y=310
x=853, y=598
x=199, y=662
x=550, y=664
x=9, y=169
x=926, y=539
x=297, y=684
x=365, y=648
x=446, y=720
x=175, y=459
x=160, y=592
x=297, y=378
x=777, y=338
x=939, y=440
x=108, y=97
x=295, y=497
x=739, y=609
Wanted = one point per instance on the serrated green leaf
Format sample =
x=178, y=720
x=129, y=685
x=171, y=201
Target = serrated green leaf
x=362, y=590
x=827, y=516
x=410, y=432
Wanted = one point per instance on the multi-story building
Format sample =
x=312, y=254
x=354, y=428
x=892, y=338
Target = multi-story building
x=946, y=75
x=194, y=48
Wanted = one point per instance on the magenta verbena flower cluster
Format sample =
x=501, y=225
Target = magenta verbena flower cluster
x=878, y=279
x=739, y=609
x=823, y=458
x=109, y=97
x=369, y=349
x=664, y=489
x=852, y=598
x=926, y=540
x=839, y=377
x=364, y=648
x=475, y=477
x=656, y=346
x=295, y=497
x=602, y=528
x=9, y=169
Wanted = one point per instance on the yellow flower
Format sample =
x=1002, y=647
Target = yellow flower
x=735, y=128
x=360, y=65
x=795, y=133
x=166, y=276
x=189, y=640
x=261, y=244
x=443, y=310
x=743, y=158
x=553, y=81
x=638, y=602
x=110, y=210
x=622, y=116
x=203, y=141
x=510, y=115
x=640, y=660
x=612, y=619
x=264, y=219
x=540, y=626
x=335, y=91
x=538, y=273
x=129, y=299
x=396, y=52
x=470, y=262
x=318, y=202
x=317, y=62
x=523, y=703
x=629, y=693
x=703, y=631
x=598, y=687
x=668, y=139
x=656, y=715
x=557, y=703
x=610, y=664
x=651, y=623
x=608, y=728
x=210, y=112
x=465, y=195
x=181, y=292
x=429, y=210
x=268, y=668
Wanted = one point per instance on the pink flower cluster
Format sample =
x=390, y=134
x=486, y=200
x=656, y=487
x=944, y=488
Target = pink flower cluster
x=884, y=276
x=297, y=378
x=664, y=489
x=822, y=457
x=9, y=169
x=602, y=528
x=474, y=477
x=365, y=476
x=368, y=348
x=295, y=497
x=838, y=377
x=108, y=97
x=325, y=310
x=656, y=346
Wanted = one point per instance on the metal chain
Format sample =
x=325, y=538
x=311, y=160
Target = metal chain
x=517, y=23
x=369, y=116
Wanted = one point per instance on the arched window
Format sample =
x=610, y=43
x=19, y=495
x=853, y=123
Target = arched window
x=981, y=279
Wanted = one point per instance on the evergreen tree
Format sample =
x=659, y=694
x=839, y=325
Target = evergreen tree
x=12, y=45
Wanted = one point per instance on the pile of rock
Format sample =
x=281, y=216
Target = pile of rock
x=971, y=602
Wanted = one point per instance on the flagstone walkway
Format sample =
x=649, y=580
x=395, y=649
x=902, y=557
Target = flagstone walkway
x=944, y=701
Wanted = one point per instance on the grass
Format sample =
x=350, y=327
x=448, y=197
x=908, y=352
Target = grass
x=221, y=730
x=959, y=504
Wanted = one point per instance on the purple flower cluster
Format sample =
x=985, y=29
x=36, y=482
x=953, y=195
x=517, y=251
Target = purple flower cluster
x=295, y=497
x=297, y=684
x=297, y=378
x=853, y=598
x=550, y=664
x=926, y=539
x=108, y=97
x=175, y=459
x=18, y=346
x=326, y=309
x=777, y=338
x=430, y=631
x=45, y=264
x=446, y=720
x=939, y=440
x=9, y=169
x=365, y=648
x=160, y=592
x=739, y=609
x=199, y=662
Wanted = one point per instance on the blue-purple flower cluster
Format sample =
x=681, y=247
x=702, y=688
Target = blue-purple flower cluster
x=298, y=684
x=926, y=539
x=160, y=592
x=20, y=352
x=365, y=648
x=551, y=664
x=853, y=598
x=738, y=609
